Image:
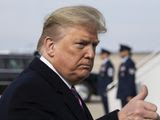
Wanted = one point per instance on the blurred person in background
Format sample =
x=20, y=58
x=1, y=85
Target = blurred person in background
x=126, y=76
x=105, y=77
x=45, y=89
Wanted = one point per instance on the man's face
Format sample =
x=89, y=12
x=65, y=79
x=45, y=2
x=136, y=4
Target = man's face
x=74, y=54
x=124, y=53
x=104, y=56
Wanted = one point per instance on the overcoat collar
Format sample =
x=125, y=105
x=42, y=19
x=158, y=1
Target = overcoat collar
x=61, y=88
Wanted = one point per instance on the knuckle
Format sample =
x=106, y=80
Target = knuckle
x=137, y=112
x=137, y=118
x=156, y=116
x=152, y=107
x=155, y=108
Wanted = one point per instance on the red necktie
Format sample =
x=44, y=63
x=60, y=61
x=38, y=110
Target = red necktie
x=77, y=96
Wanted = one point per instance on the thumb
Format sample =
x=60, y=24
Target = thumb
x=142, y=94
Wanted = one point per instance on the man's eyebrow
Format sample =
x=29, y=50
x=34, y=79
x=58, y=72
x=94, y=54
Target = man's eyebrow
x=85, y=40
x=89, y=40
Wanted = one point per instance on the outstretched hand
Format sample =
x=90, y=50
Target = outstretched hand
x=138, y=109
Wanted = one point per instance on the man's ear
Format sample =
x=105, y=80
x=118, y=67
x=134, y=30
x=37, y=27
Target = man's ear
x=49, y=46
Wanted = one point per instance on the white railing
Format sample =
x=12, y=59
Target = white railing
x=149, y=74
x=147, y=67
x=147, y=59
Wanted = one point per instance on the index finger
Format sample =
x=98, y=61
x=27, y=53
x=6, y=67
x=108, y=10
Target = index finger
x=150, y=106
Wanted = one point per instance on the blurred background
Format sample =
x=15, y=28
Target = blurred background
x=132, y=22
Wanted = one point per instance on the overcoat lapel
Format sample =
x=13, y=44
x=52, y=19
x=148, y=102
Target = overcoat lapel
x=61, y=88
x=87, y=112
x=74, y=106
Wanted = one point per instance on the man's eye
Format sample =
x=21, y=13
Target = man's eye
x=80, y=45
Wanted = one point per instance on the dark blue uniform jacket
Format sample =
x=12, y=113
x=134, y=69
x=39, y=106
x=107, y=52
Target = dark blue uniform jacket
x=105, y=76
x=126, y=76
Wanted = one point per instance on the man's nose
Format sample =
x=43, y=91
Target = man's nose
x=90, y=52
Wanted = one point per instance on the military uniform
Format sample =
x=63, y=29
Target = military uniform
x=126, y=85
x=105, y=77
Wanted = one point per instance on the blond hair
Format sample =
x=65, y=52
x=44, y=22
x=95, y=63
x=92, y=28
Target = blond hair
x=86, y=16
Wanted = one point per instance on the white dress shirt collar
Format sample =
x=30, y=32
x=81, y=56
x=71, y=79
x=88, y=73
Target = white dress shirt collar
x=105, y=60
x=51, y=67
x=125, y=59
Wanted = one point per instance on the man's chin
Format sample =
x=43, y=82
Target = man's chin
x=84, y=76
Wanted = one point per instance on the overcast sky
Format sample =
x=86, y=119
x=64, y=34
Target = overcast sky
x=132, y=22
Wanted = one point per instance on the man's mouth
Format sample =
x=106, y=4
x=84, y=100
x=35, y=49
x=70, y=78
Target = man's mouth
x=86, y=66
